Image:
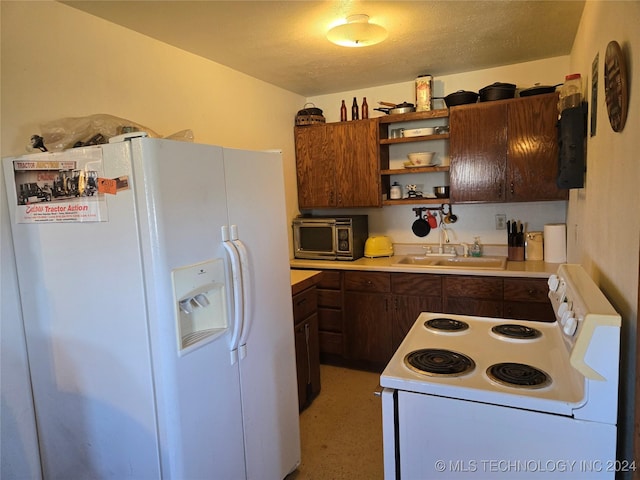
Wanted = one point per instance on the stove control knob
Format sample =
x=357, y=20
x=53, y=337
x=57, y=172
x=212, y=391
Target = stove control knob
x=565, y=317
x=571, y=326
x=553, y=282
x=562, y=309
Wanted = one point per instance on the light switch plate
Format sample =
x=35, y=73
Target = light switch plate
x=501, y=221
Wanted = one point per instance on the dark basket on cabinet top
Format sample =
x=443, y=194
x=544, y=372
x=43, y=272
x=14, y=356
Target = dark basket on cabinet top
x=309, y=116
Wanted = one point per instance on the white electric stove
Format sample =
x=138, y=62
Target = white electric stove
x=477, y=397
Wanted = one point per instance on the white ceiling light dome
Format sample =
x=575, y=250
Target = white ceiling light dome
x=357, y=32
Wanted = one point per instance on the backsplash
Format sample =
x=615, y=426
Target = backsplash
x=474, y=220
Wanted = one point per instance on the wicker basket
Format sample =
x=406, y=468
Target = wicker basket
x=309, y=119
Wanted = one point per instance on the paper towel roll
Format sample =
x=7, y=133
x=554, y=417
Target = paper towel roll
x=555, y=243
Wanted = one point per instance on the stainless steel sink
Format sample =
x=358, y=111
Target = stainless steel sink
x=486, y=263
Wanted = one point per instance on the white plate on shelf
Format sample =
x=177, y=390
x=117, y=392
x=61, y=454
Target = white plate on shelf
x=420, y=166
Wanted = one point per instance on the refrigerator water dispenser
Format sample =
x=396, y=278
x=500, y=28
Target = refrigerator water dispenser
x=200, y=306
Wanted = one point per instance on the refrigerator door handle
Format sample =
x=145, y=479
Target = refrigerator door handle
x=246, y=292
x=236, y=273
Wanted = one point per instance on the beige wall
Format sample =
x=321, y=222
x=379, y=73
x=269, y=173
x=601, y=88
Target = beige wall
x=603, y=221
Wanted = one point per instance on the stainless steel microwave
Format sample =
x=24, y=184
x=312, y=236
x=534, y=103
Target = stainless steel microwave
x=330, y=238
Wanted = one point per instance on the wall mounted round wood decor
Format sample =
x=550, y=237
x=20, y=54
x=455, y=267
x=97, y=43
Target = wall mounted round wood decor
x=616, y=88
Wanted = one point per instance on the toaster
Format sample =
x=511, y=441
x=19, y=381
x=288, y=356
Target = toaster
x=378, y=246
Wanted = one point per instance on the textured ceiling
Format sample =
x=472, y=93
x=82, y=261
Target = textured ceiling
x=284, y=43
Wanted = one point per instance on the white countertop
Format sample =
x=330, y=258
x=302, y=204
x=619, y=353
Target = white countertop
x=537, y=268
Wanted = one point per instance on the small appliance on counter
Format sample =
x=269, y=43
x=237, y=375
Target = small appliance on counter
x=534, y=249
x=330, y=238
x=378, y=246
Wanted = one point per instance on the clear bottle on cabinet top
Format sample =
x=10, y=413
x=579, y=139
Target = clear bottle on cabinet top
x=570, y=92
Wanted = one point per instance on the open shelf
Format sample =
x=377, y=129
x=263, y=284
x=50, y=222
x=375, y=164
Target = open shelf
x=410, y=117
x=416, y=201
x=404, y=171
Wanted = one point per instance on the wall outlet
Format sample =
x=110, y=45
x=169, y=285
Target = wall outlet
x=501, y=221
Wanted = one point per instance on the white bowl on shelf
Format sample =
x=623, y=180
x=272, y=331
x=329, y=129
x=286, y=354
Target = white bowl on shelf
x=421, y=159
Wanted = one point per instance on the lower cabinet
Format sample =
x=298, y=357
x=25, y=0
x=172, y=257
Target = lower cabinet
x=330, y=318
x=413, y=294
x=367, y=318
x=305, y=318
x=380, y=308
x=364, y=315
x=527, y=299
x=473, y=295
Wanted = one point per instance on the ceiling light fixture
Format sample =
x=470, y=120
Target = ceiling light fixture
x=357, y=32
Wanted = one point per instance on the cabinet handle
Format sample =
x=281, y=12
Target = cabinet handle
x=499, y=190
x=511, y=189
x=301, y=301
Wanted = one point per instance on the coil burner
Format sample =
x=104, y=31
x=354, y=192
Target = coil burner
x=518, y=332
x=446, y=325
x=438, y=362
x=518, y=375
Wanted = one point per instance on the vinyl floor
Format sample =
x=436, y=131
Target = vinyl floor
x=341, y=431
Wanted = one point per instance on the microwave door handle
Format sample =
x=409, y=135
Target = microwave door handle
x=245, y=267
x=236, y=275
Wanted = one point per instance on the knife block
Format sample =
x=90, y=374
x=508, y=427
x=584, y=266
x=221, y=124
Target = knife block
x=515, y=254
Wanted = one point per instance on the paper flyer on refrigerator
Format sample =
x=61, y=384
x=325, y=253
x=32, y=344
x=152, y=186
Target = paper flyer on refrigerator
x=60, y=187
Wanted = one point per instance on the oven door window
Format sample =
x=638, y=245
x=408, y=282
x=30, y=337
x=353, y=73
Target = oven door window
x=316, y=239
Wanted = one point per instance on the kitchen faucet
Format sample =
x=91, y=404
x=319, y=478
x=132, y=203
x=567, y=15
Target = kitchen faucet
x=443, y=234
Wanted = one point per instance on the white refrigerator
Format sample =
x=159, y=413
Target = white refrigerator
x=155, y=287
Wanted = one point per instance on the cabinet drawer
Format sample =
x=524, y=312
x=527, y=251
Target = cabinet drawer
x=330, y=320
x=542, y=312
x=422, y=284
x=367, y=282
x=526, y=290
x=331, y=343
x=329, y=298
x=474, y=306
x=304, y=304
x=330, y=279
x=473, y=287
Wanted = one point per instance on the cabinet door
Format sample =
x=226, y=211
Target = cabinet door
x=414, y=293
x=368, y=325
x=406, y=309
x=302, y=364
x=316, y=176
x=357, y=174
x=532, y=166
x=478, y=151
x=314, y=355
